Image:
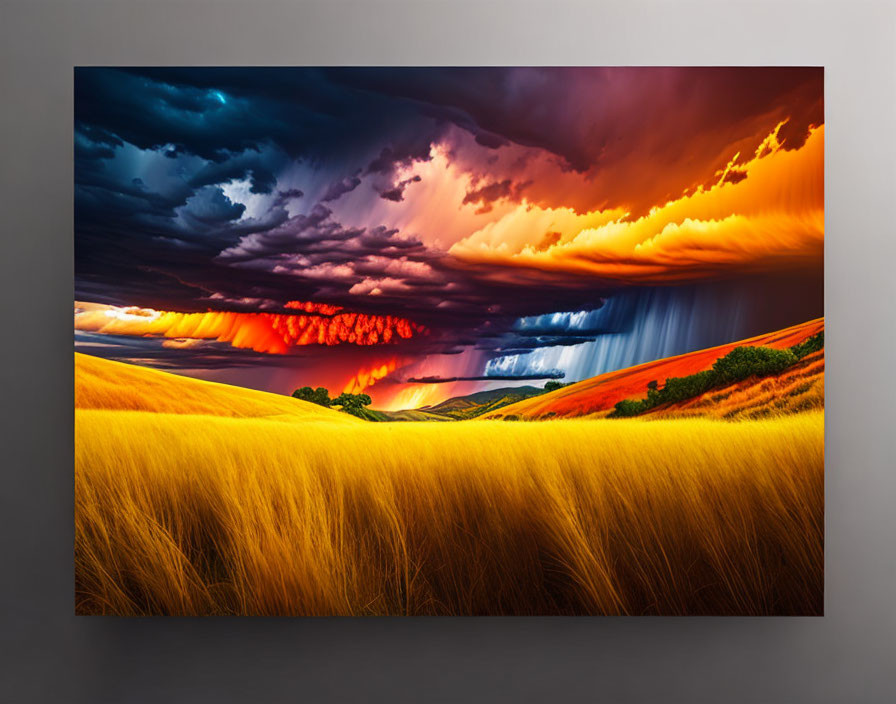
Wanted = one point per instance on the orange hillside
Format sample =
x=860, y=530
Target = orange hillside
x=602, y=392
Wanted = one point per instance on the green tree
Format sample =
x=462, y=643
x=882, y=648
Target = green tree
x=320, y=395
x=553, y=386
x=653, y=394
x=352, y=403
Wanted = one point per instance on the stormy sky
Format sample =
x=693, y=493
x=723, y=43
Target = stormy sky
x=446, y=203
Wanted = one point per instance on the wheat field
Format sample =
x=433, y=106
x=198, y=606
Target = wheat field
x=196, y=515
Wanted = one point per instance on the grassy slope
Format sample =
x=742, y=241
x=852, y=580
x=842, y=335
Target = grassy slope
x=799, y=388
x=186, y=514
x=459, y=407
x=407, y=415
x=479, y=399
x=107, y=385
x=476, y=410
x=600, y=393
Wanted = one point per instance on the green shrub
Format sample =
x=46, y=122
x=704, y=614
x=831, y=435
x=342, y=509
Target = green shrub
x=809, y=345
x=681, y=388
x=742, y=362
x=628, y=408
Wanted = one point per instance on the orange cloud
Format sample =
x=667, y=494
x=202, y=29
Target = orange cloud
x=368, y=376
x=311, y=307
x=181, y=343
x=416, y=396
x=762, y=214
x=273, y=333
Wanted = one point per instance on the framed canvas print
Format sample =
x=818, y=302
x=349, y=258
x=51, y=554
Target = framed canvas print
x=449, y=341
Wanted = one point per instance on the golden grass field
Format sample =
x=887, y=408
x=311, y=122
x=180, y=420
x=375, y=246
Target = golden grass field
x=317, y=513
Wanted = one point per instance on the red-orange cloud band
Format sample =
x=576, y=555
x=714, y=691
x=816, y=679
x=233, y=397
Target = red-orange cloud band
x=272, y=333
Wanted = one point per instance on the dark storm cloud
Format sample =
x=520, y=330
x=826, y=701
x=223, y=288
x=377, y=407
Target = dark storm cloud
x=215, y=126
x=211, y=113
x=284, y=197
x=291, y=236
x=490, y=140
x=614, y=123
x=490, y=193
x=217, y=112
x=555, y=332
x=155, y=150
x=322, y=251
x=339, y=188
x=586, y=117
x=209, y=206
x=90, y=149
x=150, y=351
x=198, y=128
x=413, y=148
x=396, y=192
x=258, y=167
x=533, y=343
x=532, y=106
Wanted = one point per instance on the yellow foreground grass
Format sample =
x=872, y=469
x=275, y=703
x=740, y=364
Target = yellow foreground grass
x=184, y=514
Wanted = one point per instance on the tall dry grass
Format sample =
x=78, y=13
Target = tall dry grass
x=203, y=515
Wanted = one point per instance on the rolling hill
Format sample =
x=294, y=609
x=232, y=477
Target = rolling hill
x=412, y=414
x=481, y=402
x=101, y=384
x=472, y=402
x=798, y=388
x=599, y=394
x=460, y=407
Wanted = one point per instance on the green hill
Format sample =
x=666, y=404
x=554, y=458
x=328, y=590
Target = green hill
x=374, y=415
x=459, y=407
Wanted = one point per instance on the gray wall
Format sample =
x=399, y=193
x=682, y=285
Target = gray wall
x=51, y=656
